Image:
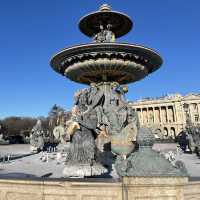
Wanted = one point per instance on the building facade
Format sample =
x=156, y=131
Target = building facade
x=167, y=115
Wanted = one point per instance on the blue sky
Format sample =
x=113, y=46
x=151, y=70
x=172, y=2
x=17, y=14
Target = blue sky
x=32, y=31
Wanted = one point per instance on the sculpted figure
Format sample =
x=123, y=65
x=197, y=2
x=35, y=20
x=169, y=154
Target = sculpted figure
x=105, y=35
x=133, y=125
x=1, y=134
x=81, y=158
x=118, y=93
x=193, y=139
x=95, y=96
x=95, y=101
x=61, y=135
x=64, y=130
x=99, y=37
x=124, y=125
x=196, y=139
x=36, y=138
x=81, y=99
x=109, y=35
x=100, y=115
x=82, y=148
x=2, y=140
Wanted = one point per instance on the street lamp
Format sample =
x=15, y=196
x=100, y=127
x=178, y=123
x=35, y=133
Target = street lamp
x=187, y=114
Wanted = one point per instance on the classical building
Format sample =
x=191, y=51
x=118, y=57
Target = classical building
x=167, y=115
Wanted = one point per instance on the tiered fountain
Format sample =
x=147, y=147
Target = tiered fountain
x=100, y=115
x=102, y=120
x=106, y=60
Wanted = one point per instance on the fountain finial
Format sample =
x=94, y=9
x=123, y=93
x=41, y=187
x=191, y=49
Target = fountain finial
x=105, y=7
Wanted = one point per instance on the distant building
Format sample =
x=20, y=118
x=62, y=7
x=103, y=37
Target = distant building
x=167, y=115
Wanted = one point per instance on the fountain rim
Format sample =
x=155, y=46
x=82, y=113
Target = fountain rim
x=72, y=51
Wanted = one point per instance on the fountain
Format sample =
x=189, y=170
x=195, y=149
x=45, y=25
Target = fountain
x=101, y=114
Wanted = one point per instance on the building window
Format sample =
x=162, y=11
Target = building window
x=196, y=118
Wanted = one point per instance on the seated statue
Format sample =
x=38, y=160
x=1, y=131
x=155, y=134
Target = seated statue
x=81, y=156
x=82, y=148
x=109, y=35
x=105, y=35
x=99, y=37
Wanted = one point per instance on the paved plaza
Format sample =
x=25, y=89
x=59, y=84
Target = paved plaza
x=33, y=167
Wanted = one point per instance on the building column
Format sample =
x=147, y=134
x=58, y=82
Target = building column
x=154, y=115
x=174, y=113
x=161, y=119
x=147, y=115
x=142, y=119
x=139, y=114
x=167, y=113
x=183, y=115
x=190, y=112
x=198, y=108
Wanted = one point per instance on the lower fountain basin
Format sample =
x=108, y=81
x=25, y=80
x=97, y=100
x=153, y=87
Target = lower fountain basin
x=97, y=62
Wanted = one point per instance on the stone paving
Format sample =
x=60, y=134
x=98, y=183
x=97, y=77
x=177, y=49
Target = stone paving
x=15, y=149
x=33, y=167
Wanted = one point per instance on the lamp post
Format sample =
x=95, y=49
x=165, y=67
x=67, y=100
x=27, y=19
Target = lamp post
x=190, y=129
x=187, y=115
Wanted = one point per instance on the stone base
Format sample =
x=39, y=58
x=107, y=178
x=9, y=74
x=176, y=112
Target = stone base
x=84, y=170
x=154, y=188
